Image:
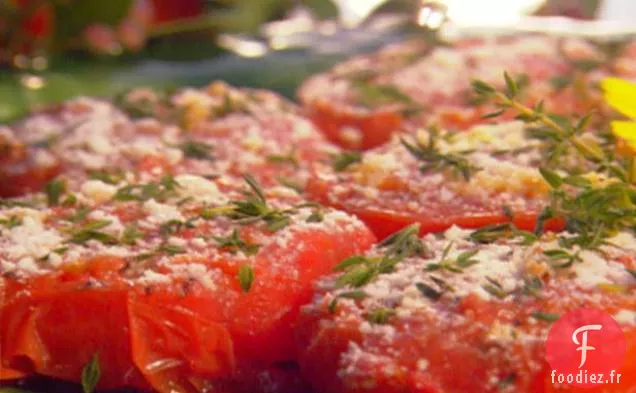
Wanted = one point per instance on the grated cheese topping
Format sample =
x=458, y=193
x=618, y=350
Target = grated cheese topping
x=162, y=239
x=488, y=303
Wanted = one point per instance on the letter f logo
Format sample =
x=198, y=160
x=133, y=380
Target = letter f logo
x=583, y=344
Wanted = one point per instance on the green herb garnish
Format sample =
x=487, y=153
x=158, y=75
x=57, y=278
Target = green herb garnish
x=435, y=161
x=593, y=212
x=171, y=249
x=255, y=207
x=166, y=188
x=131, y=235
x=291, y=184
x=345, y=295
x=561, y=259
x=532, y=286
x=494, y=288
x=54, y=191
x=544, y=316
x=233, y=243
x=345, y=159
x=246, y=277
x=428, y=291
x=91, y=373
x=10, y=222
x=91, y=231
x=359, y=270
x=110, y=177
x=79, y=214
x=377, y=95
x=289, y=158
x=380, y=316
x=196, y=150
x=495, y=232
x=316, y=216
x=456, y=265
x=174, y=226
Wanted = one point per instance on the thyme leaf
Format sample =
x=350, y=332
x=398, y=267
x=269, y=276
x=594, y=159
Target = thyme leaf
x=545, y=316
x=246, y=277
x=380, y=316
x=54, y=191
x=91, y=373
x=433, y=160
x=359, y=270
x=342, y=161
x=196, y=150
x=233, y=243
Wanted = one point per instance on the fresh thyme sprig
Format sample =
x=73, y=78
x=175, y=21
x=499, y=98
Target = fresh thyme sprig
x=196, y=150
x=233, y=243
x=492, y=233
x=245, y=277
x=359, y=270
x=92, y=231
x=380, y=315
x=164, y=189
x=456, y=265
x=376, y=95
x=434, y=160
x=91, y=373
x=593, y=211
x=110, y=177
x=255, y=207
x=562, y=133
x=54, y=191
x=289, y=158
x=10, y=222
x=343, y=160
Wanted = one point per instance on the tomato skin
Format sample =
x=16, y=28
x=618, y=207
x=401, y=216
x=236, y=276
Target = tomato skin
x=183, y=335
x=375, y=128
x=36, y=333
x=384, y=223
x=22, y=175
x=264, y=317
x=172, y=345
x=322, y=341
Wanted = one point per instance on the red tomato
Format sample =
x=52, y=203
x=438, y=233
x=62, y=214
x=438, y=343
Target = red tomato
x=183, y=335
x=453, y=344
x=390, y=198
x=371, y=129
x=23, y=175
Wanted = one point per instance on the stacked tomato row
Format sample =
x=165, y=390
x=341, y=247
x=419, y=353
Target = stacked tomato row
x=462, y=310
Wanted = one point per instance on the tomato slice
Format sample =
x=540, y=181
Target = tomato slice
x=20, y=173
x=392, y=186
x=172, y=311
x=436, y=319
x=352, y=130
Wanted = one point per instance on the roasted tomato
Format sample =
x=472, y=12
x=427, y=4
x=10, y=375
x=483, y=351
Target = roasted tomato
x=145, y=134
x=453, y=315
x=183, y=284
x=440, y=180
x=361, y=102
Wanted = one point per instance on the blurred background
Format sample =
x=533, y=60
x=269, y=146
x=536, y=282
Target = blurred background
x=56, y=49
